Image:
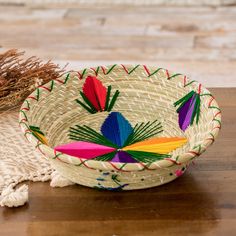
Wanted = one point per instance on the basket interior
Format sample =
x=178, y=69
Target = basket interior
x=141, y=98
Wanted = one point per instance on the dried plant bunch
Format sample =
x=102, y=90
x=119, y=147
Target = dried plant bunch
x=19, y=76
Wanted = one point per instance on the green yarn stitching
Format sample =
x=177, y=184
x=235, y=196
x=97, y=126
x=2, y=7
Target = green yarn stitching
x=87, y=134
x=147, y=157
x=144, y=131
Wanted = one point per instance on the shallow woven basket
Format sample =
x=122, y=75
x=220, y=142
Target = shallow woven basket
x=146, y=93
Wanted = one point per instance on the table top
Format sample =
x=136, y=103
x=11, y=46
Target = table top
x=201, y=202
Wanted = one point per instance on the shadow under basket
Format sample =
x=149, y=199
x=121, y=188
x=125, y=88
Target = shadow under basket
x=141, y=94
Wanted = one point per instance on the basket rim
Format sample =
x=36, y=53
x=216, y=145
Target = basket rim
x=117, y=166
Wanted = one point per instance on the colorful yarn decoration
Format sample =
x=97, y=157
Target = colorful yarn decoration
x=188, y=109
x=96, y=96
x=116, y=121
x=115, y=180
x=120, y=142
x=38, y=134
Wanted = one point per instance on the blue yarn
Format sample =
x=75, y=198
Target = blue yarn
x=116, y=128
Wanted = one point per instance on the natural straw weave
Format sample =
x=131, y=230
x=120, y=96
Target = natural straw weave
x=146, y=93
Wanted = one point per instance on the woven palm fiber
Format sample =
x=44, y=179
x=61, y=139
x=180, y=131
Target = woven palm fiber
x=20, y=162
x=146, y=93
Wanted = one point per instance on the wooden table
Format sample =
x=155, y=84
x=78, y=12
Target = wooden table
x=201, y=202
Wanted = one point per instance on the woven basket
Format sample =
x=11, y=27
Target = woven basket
x=146, y=93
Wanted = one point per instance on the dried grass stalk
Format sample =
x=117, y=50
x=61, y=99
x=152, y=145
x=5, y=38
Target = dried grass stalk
x=19, y=77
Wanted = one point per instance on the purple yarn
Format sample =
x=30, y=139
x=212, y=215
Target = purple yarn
x=186, y=112
x=123, y=157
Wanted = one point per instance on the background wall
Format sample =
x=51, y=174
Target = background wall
x=127, y=2
x=197, y=38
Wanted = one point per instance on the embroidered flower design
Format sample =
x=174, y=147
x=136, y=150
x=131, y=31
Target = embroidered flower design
x=120, y=142
x=96, y=97
x=189, y=109
x=37, y=133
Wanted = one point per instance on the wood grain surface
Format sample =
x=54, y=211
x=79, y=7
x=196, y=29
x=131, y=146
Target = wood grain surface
x=196, y=41
x=201, y=202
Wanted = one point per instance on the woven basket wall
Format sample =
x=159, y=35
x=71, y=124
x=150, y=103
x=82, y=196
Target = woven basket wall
x=146, y=93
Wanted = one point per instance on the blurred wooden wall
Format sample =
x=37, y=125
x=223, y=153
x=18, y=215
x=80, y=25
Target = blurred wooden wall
x=198, y=40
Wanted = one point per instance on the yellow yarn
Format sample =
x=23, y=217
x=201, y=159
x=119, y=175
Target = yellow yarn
x=157, y=145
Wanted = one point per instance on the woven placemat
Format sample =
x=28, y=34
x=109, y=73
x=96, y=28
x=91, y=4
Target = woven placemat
x=20, y=162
